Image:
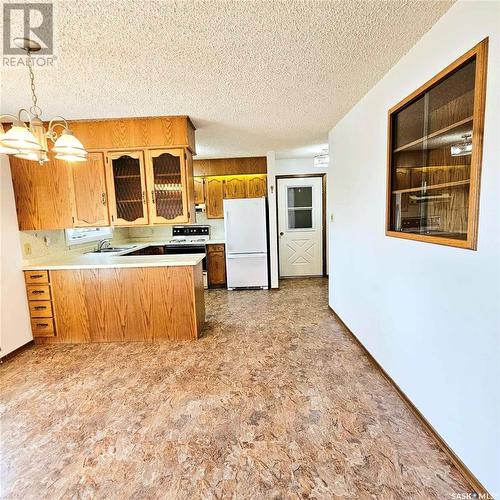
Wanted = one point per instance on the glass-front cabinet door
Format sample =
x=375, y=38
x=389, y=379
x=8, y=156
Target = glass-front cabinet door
x=435, y=142
x=166, y=174
x=128, y=196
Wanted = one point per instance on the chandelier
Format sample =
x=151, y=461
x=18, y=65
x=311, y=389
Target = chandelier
x=29, y=141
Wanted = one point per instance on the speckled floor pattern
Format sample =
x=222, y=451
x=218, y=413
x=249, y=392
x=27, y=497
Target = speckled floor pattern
x=275, y=401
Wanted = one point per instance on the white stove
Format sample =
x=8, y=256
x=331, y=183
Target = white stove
x=190, y=239
x=190, y=235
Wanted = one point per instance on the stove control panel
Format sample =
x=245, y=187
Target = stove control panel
x=191, y=231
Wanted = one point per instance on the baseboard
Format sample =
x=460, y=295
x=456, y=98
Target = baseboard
x=474, y=483
x=17, y=351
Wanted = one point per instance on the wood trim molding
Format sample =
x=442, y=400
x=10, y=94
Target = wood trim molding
x=474, y=483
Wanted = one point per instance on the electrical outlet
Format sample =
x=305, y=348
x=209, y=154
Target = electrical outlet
x=27, y=249
x=46, y=239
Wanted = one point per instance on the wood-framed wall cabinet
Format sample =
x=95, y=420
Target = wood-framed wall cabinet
x=166, y=178
x=139, y=171
x=435, y=141
x=89, y=192
x=218, y=188
x=127, y=188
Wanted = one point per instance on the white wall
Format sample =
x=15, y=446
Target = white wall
x=293, y=166
x=429, y=314
x=15, y=328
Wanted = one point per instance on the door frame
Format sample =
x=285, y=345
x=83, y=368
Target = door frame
x=323, y=216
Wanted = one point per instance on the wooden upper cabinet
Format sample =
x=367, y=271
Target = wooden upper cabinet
x=199, y=190
x=235, y=187
x=167, y=186
x=89, y=192
x=127, y=188
x=256, y=186
x=214, y=196
x=42, y=193
x=230, y=166
x=136, y=133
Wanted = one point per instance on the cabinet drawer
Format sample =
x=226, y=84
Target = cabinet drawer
x=36, y=276
x=40, y=309
x=38, y=292
x=43, y=327
x=215, y=248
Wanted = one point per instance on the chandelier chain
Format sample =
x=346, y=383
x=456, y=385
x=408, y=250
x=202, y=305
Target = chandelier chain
x=35, y=109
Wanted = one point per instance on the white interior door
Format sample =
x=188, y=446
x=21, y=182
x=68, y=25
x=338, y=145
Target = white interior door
x=300, y=226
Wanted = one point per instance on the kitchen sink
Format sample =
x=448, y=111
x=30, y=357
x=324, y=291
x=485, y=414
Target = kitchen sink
x=109, y=250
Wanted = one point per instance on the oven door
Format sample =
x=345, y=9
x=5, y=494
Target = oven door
x=183, y=249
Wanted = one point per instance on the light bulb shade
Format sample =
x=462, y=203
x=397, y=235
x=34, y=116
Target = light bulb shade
x=71, y=158
x=68, y=144
x=21, y=138
x=4, y=150
x=28, y=155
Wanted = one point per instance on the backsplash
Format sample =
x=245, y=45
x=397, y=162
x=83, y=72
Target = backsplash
x=161, y=233
x=37, y=244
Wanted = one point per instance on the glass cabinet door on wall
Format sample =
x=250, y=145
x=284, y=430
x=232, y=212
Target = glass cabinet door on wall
x=166, y=181
x=128, y=196
x=435, y=143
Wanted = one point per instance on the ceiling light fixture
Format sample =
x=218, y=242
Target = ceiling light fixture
x=322, y=159
x=30, y=141
x=463, y=148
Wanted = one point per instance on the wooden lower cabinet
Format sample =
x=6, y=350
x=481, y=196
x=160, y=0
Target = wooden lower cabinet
x=216, y=265
x=127, y=304
x=38, y=288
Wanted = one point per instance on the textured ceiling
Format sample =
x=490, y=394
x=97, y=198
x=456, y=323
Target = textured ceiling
x=254, y=76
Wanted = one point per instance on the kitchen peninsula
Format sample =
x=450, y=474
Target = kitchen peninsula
x=111, y=298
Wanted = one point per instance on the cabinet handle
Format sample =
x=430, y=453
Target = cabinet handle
x=37, y=292
x=153, y=196
x=103, y=198
x=42, y=325
x=36, y=275
x=39, y=308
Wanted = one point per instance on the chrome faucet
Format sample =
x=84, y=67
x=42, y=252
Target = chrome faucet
x=103, y=244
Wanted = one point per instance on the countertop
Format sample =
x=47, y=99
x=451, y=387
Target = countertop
x=106, y=260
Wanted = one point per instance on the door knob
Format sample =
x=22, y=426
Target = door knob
x=282, y=233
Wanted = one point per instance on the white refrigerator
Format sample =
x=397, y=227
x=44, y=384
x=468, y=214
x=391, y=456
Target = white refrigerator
x=245, y=223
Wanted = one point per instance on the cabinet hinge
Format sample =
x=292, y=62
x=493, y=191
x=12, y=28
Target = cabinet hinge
x=189, y=214
x=185, y=156
x=112, y=218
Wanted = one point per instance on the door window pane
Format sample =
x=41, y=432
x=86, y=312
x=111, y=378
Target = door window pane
x=300, y=218
x=299, y=196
